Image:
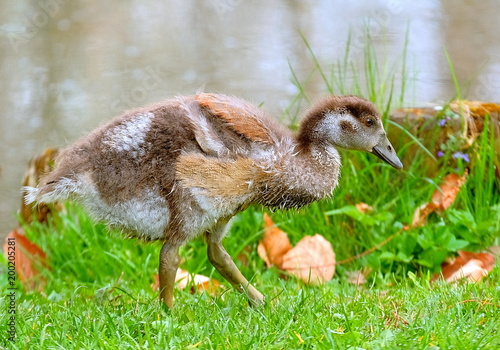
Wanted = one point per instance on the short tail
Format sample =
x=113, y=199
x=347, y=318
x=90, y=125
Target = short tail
x=61, y=189
x=30, y=194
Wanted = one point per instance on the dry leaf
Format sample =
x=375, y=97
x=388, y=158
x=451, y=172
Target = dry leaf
x=37, y=167
x=472, y=266
x=312, y=260
x=449, y=189
x=472, y=270
x=442, y=198
x=28, y=258
x=478, y=109
x=357, y=277
x=156, y=282
x=421, y=213
x=474, y=114
x=364, y=208
x=183, y=278
x=274, y=245
x=199, y=283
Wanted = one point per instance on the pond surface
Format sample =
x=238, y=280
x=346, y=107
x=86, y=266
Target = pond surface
x=67, y=67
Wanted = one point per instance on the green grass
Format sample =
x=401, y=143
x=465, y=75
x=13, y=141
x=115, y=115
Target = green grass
x=99, y=296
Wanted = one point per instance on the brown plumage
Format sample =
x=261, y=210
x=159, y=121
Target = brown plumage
x=184, y=167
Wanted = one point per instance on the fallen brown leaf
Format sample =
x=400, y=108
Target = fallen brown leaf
x=29, y=257
x=442, y=198
x=449, y=189
x=198, y=283
x=421, y=213
x=473, y=270
x=274, y=245
x=472, y=266
x=364, y=208
x=312, y=260
x=357, y=277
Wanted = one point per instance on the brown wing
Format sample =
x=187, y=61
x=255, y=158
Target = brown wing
x=243, y=117
x=217, y=178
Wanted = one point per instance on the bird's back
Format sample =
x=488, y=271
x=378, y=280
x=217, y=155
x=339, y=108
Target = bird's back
x=157, y=167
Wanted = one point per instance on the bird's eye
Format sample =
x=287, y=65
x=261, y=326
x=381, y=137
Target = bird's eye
x=369, y=122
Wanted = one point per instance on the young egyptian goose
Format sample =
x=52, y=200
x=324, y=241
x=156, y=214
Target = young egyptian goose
x=182, y=168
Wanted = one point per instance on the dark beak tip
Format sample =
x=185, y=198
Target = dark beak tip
x=398, y=166
x=391, y=159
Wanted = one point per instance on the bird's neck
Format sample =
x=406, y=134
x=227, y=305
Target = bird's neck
x=304, y=176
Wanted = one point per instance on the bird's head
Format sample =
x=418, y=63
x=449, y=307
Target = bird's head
x=349, y=122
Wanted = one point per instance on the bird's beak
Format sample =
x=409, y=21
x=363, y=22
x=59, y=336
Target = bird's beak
x=385, y=151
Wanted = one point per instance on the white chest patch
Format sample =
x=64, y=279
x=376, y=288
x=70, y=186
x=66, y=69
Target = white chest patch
x=129, y=136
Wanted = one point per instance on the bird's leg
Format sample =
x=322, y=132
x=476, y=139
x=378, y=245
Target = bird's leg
x=169, y=262
x=221, y=260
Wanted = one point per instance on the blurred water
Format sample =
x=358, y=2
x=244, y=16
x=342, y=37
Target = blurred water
x=67, y=67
